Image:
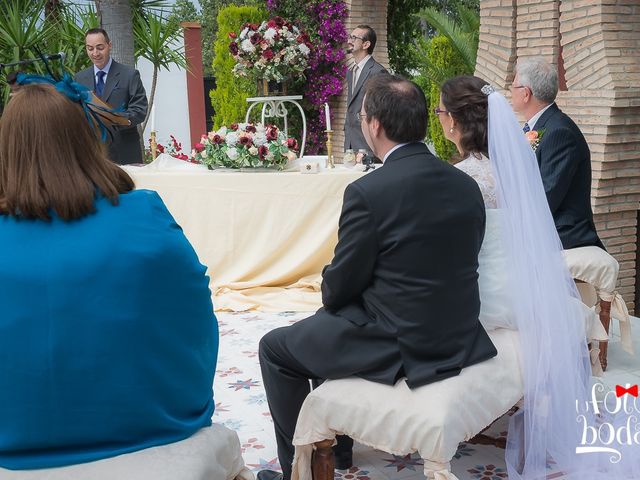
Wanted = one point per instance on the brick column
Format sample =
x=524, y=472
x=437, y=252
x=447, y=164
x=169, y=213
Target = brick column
x=195, y=81
x=497, y=46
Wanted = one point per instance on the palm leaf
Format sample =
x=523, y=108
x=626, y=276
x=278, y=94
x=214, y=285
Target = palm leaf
x=462, y=40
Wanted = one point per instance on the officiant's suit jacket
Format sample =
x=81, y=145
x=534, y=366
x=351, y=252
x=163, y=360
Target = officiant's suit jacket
x=565, y=165
x=123, y=88
x=401, y=293
x=353, y=137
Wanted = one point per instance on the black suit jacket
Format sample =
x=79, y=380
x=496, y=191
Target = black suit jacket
x=401, y=293
x=123, y=88
x=565, y=165
x=353, y=136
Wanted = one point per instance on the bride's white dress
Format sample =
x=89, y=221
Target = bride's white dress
x=495, y=304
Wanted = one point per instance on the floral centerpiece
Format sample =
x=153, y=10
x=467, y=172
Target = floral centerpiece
x=245, y=145
x=274, y=50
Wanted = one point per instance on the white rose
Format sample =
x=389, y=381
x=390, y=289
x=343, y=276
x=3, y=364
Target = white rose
x=304, y=49
x=232, y=153
x=247, y=46
x=260, y=138
x=270, y=33
x=231, y=139
x=244, y=32
x=253, y=151
x=222, y=131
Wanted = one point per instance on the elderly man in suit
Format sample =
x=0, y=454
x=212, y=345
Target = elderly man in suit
x=120, y=86
x=360, y=44
x=401, y=293
x=562, y=152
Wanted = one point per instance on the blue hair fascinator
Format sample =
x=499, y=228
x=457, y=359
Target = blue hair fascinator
x=98, y=113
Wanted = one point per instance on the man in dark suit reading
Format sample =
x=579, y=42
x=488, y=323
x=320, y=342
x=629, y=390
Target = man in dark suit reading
x=401, y=293
x=120, y=86
x=563, y=154
x=360, y=44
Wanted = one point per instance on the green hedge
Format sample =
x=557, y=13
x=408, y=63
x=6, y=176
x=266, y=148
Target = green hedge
x=229, y=97
x=442, y=56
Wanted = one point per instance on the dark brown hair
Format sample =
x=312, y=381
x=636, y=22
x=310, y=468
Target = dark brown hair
x=94, y=31
x=463, y=99
x=399, y=105
x=51, y=159
x=369, y=36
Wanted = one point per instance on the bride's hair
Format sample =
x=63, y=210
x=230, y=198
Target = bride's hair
x=463, y=99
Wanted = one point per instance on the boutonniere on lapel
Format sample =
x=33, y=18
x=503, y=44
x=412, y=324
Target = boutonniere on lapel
x=534, y=137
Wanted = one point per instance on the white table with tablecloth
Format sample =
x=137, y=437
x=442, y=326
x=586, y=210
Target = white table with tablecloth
x=264, y=236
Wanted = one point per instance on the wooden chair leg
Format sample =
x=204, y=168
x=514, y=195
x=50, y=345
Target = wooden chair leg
x=605, y=318
x=323, y=462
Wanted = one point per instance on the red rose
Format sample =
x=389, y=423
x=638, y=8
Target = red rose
x=217, y=139
x=272, y=133
x=251, y=128
x=160, y=148
x=233, y=48
x=198, y=147
x=233, y=35
x=279, y=21
x=181, y=156
x=271, y=24
x=292, y=143
x=262, y=151
x=255, y=39
x=246, y=141
x=234, y=127
x=268, y=54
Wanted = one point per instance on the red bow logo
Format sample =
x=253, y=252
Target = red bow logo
x=632, y=390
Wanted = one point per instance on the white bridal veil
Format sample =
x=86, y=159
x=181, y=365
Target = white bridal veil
x=546, y=431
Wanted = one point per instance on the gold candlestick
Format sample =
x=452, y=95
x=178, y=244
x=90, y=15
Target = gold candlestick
x=154, y=145
x=330, y=163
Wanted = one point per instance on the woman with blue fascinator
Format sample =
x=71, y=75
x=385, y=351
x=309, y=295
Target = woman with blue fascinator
x=108, y=340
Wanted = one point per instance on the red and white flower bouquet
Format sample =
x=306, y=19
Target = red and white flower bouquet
x=274, y=50
x=245, y=145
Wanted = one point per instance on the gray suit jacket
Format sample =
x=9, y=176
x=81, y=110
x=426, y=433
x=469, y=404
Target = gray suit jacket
x=122, y=89
x=353, y=137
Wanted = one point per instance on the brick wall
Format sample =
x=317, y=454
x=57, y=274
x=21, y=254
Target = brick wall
x=599, y=41
x=362, y=12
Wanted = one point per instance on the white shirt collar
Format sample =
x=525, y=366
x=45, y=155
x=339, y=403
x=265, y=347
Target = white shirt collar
x=362, y=63
x=105, y=69
x=532, y=121
x=393, y=150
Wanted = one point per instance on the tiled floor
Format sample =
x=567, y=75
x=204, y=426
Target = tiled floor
x=242, y=406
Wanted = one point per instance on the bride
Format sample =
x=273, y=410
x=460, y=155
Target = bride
x=523, y=275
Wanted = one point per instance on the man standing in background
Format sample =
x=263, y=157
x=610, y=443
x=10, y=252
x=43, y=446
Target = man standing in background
x=361, y=43
x=120, y=86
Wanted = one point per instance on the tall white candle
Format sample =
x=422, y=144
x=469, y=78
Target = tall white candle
x=153, y=118
x=327, y=116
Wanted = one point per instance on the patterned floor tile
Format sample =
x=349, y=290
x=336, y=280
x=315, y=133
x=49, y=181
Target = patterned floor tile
x=241, y=404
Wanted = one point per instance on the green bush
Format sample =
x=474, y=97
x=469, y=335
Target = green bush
x=229, y=97
x=442, y=56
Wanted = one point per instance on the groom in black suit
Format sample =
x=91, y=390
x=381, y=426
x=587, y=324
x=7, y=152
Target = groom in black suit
x=401, y=293
x=563, y=154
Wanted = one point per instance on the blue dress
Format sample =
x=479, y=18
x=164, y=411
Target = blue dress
x=108, y=340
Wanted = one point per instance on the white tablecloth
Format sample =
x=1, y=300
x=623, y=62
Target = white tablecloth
x=264, y=236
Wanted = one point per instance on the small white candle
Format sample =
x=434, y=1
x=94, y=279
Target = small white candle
x=327, y=115
x=153, y=118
